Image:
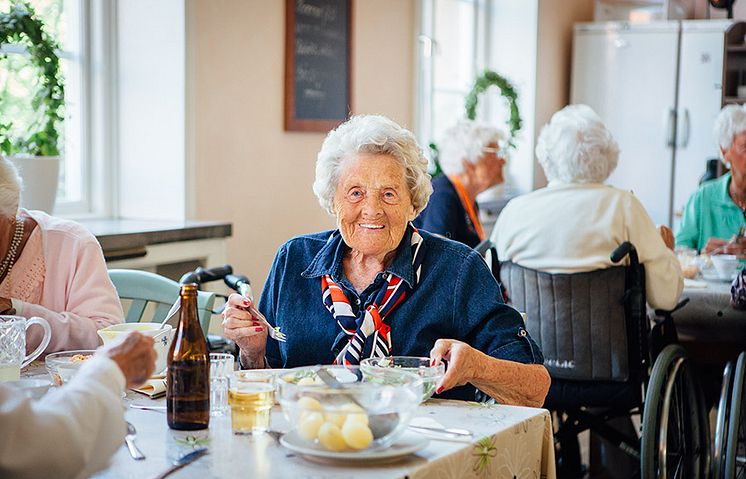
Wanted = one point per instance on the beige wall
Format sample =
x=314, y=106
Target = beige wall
x=247, y=170
x=554, y=60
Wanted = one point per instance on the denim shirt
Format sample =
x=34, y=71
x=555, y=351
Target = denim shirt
x=456, y=298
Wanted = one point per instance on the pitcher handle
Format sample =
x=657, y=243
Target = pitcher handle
x=44, y=342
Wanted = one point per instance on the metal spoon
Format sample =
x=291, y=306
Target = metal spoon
x=129, y=438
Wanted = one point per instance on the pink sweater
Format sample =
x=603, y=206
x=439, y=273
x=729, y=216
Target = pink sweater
x=77, y=297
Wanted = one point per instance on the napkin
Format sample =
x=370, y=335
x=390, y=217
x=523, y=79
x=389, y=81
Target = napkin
x=153, y=388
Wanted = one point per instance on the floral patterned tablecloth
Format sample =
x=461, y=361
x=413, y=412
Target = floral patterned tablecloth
x=509, y=442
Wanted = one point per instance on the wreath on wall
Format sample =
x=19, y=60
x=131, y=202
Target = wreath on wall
x=481, y=84
x=20, y=25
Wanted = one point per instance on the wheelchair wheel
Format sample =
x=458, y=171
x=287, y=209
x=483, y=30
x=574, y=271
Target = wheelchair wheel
x=721, y=423
x=673, y=443
x=735, y=449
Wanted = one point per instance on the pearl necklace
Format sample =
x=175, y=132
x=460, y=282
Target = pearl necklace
x=10, y=256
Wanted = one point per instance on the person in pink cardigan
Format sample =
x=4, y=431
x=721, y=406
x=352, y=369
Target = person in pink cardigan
x=52, y=268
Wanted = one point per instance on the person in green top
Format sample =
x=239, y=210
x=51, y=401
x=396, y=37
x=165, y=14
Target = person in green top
x=715, y=215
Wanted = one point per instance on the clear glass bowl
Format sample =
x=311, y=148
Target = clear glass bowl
x=369, y=411
x=418, y=365
x=64, y=365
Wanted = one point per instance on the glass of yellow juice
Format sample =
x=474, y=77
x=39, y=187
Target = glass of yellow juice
x=251, y=396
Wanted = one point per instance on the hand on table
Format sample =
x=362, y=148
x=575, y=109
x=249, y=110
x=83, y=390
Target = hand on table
x=134, y=355
x=463, y=361
x=243, y=327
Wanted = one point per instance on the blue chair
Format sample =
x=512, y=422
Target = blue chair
x=142, y=288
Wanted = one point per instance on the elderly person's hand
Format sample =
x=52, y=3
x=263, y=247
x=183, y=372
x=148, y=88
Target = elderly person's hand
x=507, y=382
x=135, y=356
x=463, y=360
x=667, y=236
x=736, y=246
x=246, y=329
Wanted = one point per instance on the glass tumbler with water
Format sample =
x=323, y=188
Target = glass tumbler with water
x=221, y=369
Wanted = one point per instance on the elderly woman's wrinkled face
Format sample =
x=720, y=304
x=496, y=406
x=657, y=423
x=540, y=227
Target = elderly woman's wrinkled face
x=373, y=204
x=736, y=155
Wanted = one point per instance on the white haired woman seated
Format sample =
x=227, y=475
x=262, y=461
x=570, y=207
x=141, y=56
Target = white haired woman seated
x=575, y=223
x=376, y=286
x=470, y=162
x=716, y=212
x=55, y=269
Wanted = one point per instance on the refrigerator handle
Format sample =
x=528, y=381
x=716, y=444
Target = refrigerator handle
x=670, y=128
x=685, y=129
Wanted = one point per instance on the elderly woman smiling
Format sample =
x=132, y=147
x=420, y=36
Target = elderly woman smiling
x=376, y=286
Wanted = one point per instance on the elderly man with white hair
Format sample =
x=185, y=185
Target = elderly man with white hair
x=376, y=286
x=574, y=223
x=55, y=269
x=716, y=212
x=469, y=158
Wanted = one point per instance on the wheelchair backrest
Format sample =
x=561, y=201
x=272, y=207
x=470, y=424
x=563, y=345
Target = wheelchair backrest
x=578, y=320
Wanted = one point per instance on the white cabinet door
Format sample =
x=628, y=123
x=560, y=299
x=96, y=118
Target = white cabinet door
x=628, y=76
x=700, y=88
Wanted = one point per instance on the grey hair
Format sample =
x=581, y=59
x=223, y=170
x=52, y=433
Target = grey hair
x=371, y=134
x=465, y=141
x=576, y=147
x=10, y=188
x=731, y=122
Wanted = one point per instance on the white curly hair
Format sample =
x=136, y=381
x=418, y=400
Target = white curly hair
x=371, y=134
x=576, y=147
x=731, y=122
x=10, y=188
x=465, y=141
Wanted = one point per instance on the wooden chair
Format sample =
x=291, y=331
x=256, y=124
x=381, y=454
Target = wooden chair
x=144, y=288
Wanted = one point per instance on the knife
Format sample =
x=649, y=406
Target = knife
x=184, y=460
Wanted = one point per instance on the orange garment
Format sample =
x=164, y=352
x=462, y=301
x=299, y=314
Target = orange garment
x=468, y=206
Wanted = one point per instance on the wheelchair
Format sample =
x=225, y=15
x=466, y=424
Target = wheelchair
x=606, y=363
x=729, y=454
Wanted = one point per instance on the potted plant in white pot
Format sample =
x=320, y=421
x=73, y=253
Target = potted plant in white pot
x=35, y=150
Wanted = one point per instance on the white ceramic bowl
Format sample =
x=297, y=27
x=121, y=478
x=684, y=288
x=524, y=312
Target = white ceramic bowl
x=726, y=265
x=162, y=336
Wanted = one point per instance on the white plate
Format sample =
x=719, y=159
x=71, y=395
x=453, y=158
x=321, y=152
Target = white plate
x=32, y=388
x=408, y=443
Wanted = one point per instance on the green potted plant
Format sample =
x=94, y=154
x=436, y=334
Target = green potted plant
x=36, y=150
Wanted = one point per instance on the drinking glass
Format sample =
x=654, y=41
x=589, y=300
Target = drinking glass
x=251, y=396
x=13, y=345
x=688, y=260
x=221, y=368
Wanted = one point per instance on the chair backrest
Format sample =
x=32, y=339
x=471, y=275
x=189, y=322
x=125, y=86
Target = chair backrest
x=581, y=321
x=143, y=288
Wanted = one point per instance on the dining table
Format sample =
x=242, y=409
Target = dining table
x=507, y=442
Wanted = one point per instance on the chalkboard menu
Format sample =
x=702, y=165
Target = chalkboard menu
x=318, y=44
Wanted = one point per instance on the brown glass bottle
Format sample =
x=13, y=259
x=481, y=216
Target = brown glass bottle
x=188, y=388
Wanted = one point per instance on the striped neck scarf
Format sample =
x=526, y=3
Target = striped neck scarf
x=367, y=335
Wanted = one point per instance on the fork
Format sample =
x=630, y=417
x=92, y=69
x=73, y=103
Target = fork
x=274, y=332
x=129, y=439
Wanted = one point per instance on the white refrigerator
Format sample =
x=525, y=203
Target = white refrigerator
x=658, y=87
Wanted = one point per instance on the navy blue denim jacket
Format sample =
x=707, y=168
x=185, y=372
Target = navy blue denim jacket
x=457, y=298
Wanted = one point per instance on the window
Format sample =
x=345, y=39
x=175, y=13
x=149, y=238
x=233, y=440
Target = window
x=66, y=21
x=453, y=39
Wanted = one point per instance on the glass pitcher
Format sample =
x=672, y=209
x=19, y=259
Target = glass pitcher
x=13, y=345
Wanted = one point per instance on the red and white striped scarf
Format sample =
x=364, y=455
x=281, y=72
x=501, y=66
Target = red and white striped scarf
x=366, y=334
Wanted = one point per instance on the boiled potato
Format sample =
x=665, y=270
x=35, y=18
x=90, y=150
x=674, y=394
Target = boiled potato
x=306, y=381
x=330, y=436
x=356, y=434
x=307, y=403
x=309, y=425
